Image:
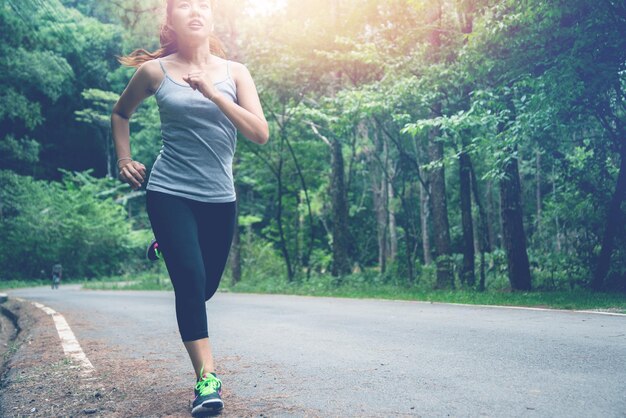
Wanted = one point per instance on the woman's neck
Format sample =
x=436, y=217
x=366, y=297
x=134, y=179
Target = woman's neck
x=196, y=55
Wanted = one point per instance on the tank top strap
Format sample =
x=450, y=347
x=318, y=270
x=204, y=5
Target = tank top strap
x=228, y=68
x=162, y=67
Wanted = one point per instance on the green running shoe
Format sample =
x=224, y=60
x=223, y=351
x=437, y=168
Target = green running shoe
x=207, y=392
x=152, y=252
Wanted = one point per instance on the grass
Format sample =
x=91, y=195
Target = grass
x=359, y=287
x=11, y=348
x=579, y=299
x=143, y=281
x=6, y=285
x=364, y=286
x=15, y=284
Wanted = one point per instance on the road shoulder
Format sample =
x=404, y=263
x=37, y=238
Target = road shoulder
x=38, y=380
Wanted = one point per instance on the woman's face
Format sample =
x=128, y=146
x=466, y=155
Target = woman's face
x=191, y=19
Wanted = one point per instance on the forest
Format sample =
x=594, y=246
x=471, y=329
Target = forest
x=441, y=144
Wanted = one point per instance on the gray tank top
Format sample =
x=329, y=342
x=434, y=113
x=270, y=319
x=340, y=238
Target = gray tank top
x=199, y=143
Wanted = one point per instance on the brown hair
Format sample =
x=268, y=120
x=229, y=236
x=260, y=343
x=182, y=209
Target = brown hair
x=168, y=44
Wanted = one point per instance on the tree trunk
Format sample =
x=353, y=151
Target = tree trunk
x=489, y=212
x=109, y=149
x=382, y=219
x=379, y=197
x=391, y=243
x=465, y=13
x=538, y=192
x=556, y=215
x=279, y=213
x=484, y=244
x=306, y=257
x=613, y=222
x=467, y=272
x=298, y=226
x=341, y=240
x=501, y=223
x=393, y=235
x=513, y=227
x=439, y=205
x=409, y=226
x=425, y=222
x=445, y=279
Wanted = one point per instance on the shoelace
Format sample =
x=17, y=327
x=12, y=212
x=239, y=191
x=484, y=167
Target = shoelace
x=209, y=384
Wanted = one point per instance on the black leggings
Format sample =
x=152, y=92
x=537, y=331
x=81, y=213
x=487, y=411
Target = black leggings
x=195, y=239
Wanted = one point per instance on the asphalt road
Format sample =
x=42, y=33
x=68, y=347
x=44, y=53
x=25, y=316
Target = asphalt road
x=345, y=357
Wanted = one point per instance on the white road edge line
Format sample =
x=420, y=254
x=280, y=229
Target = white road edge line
x=528, y=308
x=70, y=344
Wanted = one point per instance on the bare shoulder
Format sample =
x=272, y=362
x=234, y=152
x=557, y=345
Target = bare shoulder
x=151, y=74
x=239, y=71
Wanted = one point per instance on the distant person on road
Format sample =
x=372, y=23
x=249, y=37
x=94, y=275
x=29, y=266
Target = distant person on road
x=57, y=273
x=203, y=99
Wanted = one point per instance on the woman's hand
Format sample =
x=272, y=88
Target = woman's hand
x=133, y=173
x=201, y=81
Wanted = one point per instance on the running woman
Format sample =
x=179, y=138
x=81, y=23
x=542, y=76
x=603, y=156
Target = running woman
x=203, y=100
x=57, y=272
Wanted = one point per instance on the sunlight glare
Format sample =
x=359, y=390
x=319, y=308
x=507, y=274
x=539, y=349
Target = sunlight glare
x=265, y=7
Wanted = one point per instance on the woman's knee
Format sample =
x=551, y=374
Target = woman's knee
x=187, y=279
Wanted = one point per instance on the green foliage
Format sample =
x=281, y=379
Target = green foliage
x=262, y=262
x=75, y=223
x=530, y=80
x=19, y=151
x=51, y=53
x=99, y=112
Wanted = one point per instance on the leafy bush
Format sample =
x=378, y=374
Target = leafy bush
x=76, y=222
x=261, y=260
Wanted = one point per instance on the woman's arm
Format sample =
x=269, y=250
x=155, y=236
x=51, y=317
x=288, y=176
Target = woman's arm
x=247, y=113
x=138, y=89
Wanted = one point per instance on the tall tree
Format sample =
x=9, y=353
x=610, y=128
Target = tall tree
x=438, y=198
x=465, y=13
